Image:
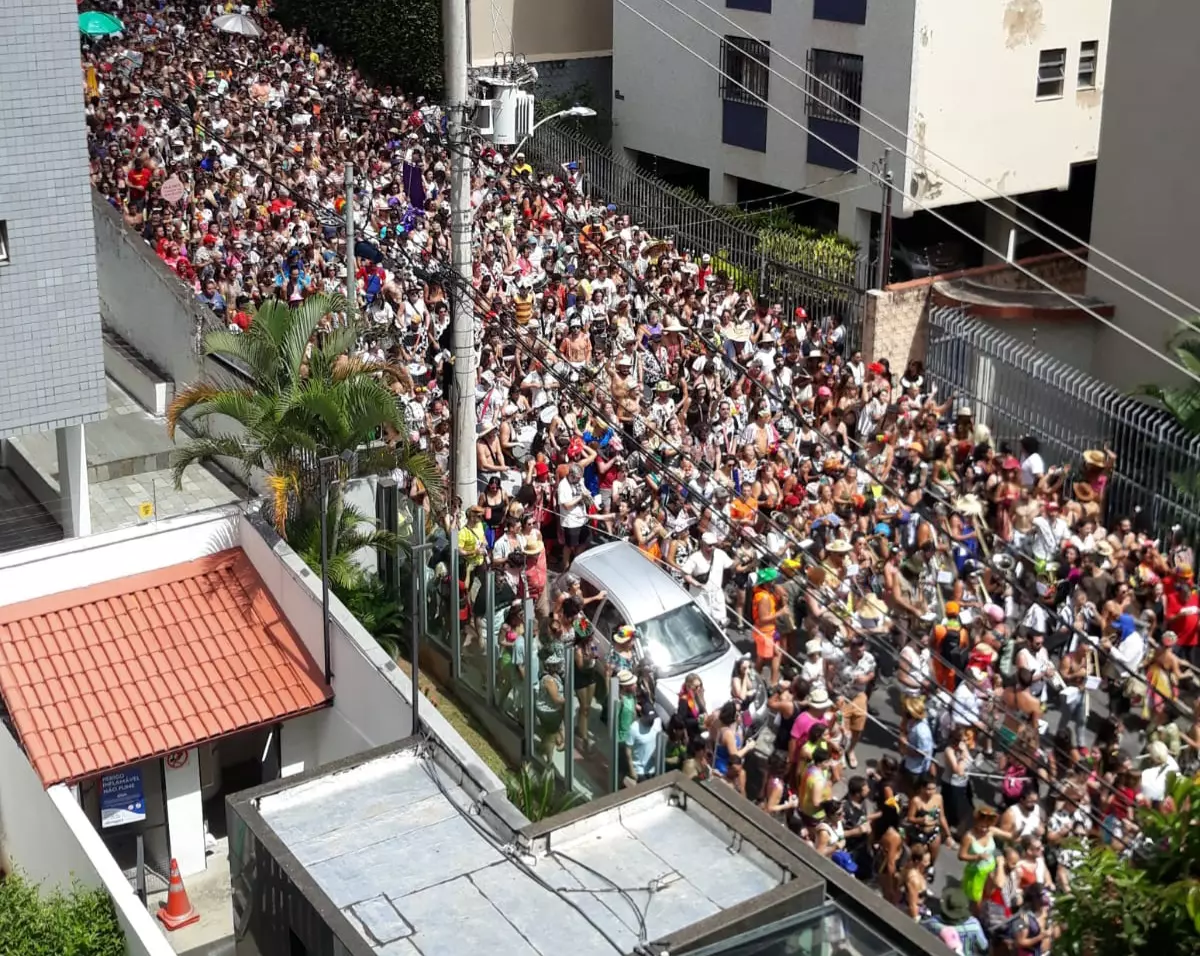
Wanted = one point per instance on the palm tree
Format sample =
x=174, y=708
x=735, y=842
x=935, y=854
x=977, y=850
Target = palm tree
x=537, y=794
x=1182, y=401
x=307, y=398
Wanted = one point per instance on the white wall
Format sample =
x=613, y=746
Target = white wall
x=48, y=836
x=66, y=565
x=1147, y=191
x=1072, y=341
x=974, y=83
x=185, y=814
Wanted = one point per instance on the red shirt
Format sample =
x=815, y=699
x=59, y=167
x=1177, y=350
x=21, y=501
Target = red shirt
x=138, y=179
x=1186, y=626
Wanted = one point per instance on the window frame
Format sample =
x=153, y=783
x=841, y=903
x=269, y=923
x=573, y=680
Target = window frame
x=5, y=254
x=1089, y=52
x=1047, y=60
x=831, y=66
x=755, y=77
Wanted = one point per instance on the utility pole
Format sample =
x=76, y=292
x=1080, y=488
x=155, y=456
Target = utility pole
x=885, y=221
x=466, y=361
x=351, y=269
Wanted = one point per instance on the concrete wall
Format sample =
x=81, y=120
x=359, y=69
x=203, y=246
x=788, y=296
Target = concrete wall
x=1147, y=192
x=51, y=365
x=540, y=29
x=49, y=837
x=973, y=100
x=895, y=324
x=143, y=301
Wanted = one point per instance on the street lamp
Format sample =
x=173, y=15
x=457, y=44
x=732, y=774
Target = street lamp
x=323, y=465
x=579, y=112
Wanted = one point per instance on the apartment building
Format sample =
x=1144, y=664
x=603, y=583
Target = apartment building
x=51, y=365
x=1147, y=192
x=1009, y=90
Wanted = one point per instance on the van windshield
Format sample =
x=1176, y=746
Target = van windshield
x=681, y=640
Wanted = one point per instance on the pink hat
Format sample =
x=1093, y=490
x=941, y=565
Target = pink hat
x=995, y=613
x=824, y=391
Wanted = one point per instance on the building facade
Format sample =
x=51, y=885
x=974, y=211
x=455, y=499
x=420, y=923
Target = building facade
x=51, y=365
x=1008, y=90
x=1147, y=193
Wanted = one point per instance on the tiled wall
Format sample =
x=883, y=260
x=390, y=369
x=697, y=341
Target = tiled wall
x=51, y=360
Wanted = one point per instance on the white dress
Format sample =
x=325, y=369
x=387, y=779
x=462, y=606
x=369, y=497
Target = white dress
x=710, y=597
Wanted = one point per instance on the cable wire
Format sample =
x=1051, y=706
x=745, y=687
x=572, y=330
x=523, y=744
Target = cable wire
x=966, y=233
x=989, y=204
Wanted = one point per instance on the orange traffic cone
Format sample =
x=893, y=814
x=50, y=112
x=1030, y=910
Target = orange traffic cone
x=178, y=910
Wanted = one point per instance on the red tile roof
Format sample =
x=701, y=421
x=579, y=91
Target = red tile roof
x=113, y=674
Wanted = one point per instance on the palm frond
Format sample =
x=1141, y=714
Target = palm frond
x=281, y=486
x=185, y=399
x=209, y=447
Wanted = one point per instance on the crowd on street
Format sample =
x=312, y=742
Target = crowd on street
x=894, y=569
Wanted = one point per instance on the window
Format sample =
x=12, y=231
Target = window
x=754, y=6
x=840, y=11
x=1089, y=51
x=1052, y=71
x=3, y=243
x=834, y=86
x=745, y=71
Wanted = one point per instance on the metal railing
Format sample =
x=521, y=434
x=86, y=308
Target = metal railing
x=1016, y=389
x=822, y=285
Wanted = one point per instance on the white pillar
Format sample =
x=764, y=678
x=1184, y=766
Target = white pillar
x=855, y=224
x=185, y=811
x=722, y=188
x=1000, y=234
x=75, y=510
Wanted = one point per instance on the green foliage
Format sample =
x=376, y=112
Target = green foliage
x=378, y=611
x=1182, y=401
x=80, y=923
x=1148, y=905
x=537, y=794
x=397, y=42
x=827, y=254
x=301, y=404
x=347, y=531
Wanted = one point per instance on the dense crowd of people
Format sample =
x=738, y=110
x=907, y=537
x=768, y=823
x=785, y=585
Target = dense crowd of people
x=859, y=528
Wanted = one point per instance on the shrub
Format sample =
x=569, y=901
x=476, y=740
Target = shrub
x=396, y=42
x=80, y=923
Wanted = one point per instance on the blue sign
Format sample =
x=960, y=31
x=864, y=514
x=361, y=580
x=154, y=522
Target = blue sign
x=121, y=798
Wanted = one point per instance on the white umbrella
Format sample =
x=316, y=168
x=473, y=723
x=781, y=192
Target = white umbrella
x=239, y=24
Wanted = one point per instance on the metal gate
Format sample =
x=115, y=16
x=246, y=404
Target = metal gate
x=1017, y=390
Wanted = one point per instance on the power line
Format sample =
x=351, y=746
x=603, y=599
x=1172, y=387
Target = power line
x=1077, y=303
x=839, y=95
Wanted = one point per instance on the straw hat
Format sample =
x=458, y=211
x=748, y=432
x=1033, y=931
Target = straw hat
x=623, y=636
x=664, y=386
x=838, y=546
x=915, y=707
x=969, y=505
x=1083, y=492
x=819, y=699
x=872, y=609
x=1095, y=458
x=813, y=646
x=626, y=679
x=674, y=325
x=534, y=547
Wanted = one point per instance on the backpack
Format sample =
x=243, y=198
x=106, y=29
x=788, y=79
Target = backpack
x=1015, y=778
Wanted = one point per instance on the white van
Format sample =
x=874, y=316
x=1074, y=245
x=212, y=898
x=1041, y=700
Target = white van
x=674, y=632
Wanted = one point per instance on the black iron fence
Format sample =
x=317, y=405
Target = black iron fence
x=1017, y=390
x=822, y=283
